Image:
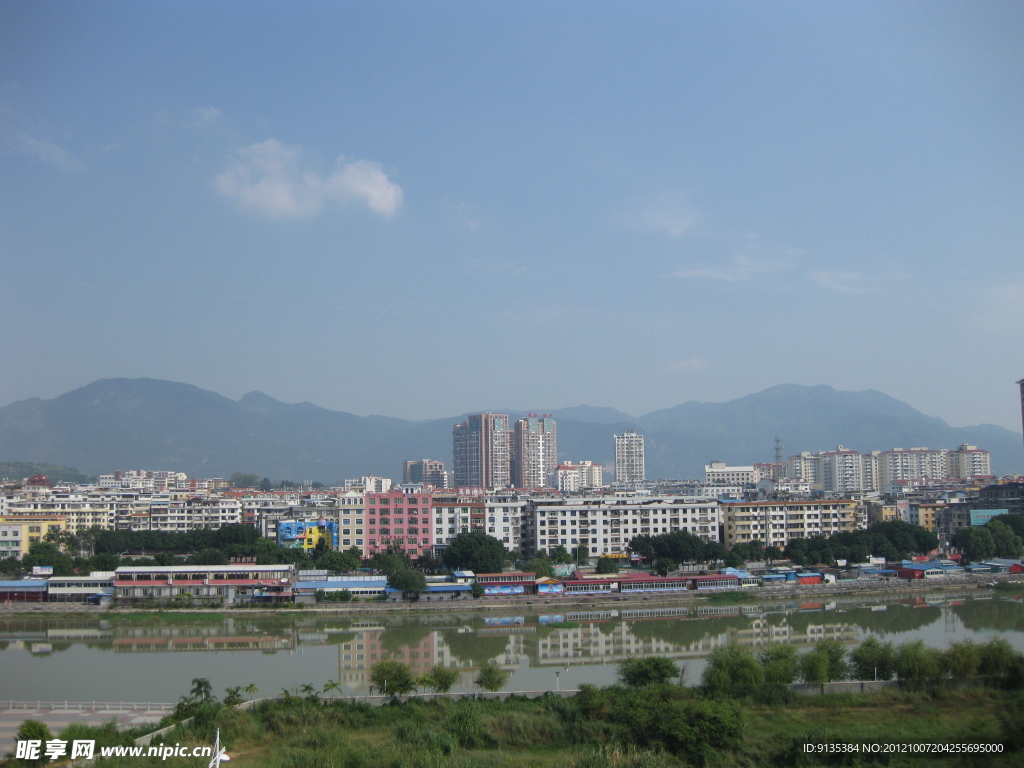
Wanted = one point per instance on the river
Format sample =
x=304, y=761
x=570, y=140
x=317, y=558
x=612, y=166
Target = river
x=126, y=657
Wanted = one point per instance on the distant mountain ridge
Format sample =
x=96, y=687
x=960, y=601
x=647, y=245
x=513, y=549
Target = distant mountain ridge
x=155, y=424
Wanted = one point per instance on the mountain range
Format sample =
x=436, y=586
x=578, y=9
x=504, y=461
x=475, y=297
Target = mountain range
x=154, y=424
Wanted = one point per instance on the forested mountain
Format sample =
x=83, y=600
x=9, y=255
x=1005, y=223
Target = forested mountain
x=154, y=424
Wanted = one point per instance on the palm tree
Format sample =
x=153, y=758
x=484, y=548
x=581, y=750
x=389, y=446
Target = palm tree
x=201, y=689
x=233, y=696
x=251, y=689
x=331, y=686
x=309, y=692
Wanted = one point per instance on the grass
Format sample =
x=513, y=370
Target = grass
x=550, y=732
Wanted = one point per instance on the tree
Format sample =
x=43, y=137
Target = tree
x=201, y=691
x=873, y=660
x=34, y=730
x=963, y=660
x=975, y=542
x=1006, y=542
x=780, y=663
x=663, y=565
x=243, y=480
x=48, y=554
x=607, y=565
x=233, y=696
x=390, y=563
x=540, y=566
x=491, y=677
x=409, y=581
x=440, y=678
x=732, y=670
x=712, y=552
x=560, y=555
x=650, y=670
x=814, y=667
x=701, y=729
x=331, y=686
x=338, y=561
x=209, y=556
x=392, y=678
x=475, y=551
x=734, y=559
x=835, y=652
x=643, y=545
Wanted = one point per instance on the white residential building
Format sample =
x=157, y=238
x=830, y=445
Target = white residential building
x=629, y=457
x=719, y=473
x=774, y=523
x=605, y=524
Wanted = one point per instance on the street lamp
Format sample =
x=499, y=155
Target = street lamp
x=558, y=684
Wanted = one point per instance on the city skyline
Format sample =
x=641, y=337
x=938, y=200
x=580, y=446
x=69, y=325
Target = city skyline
x=717, y=198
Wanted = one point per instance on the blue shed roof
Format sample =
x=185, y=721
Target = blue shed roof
x=28, y=585
x=340, y=585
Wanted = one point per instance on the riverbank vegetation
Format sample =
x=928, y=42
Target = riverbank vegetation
x=745, y=714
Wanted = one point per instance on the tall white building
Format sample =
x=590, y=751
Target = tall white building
x=534, y=452
x=629, y=457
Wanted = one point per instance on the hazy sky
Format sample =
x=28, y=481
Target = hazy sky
x=421, y=209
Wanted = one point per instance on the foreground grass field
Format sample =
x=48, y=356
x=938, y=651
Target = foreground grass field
x=615, y=727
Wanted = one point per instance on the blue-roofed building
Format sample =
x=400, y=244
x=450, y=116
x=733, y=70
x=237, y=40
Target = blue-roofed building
x=434, y=593
x=23, y=591
x=361, y=587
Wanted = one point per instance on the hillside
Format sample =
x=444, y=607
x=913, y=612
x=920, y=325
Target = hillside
x=154, y=424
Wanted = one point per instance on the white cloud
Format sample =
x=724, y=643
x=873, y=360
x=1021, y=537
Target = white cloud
x=740, y=267
x=44, y=151
x=268, y=178
x=205, y=117
x=494, y=264
x=845, y=281
x=692, y=365
x=667, y=214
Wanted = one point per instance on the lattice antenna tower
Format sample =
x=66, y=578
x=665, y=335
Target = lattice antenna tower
x=778, y=450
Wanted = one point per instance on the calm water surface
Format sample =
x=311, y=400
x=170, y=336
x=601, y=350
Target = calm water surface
x=126, y=658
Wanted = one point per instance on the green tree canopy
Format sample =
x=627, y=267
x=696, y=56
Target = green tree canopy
x=732, y=670
x=338, y=561
x=408, y=580
x=541, y=566
x=607, y=565
x=475, y=551
x=651, y=670
x=440, y=678
x=560, y=555
x=244, y=480
x=392, y=678
x=491, y=677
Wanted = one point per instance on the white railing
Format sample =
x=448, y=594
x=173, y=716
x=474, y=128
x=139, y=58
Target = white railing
x=85, y=706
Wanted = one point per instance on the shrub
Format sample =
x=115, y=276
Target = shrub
x=391, y=677
x=491, y=677
x=732, y=670
x=652, y=670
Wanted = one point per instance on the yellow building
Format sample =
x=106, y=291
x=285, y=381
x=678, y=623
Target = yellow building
x=774, y=523
x=19, y=532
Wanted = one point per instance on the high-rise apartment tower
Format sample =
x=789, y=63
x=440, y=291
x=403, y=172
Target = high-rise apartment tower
x=629, y=457
x=534, y=451
x=481, y=449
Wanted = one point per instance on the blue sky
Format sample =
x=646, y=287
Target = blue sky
x=423, y=209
